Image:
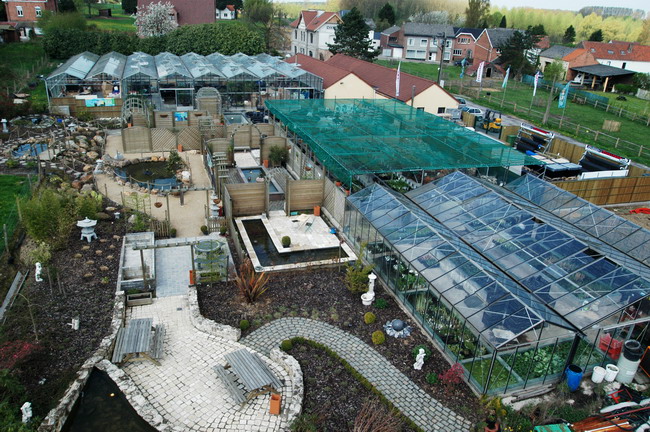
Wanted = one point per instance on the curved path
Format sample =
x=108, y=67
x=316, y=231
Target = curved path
x=410, y=399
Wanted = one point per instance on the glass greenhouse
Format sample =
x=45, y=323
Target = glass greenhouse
x=511, y=290
x=172, y=81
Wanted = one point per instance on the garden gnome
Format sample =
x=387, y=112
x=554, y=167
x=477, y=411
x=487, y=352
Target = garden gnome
x=419, y=360
x=26, y=409
x=37, y=276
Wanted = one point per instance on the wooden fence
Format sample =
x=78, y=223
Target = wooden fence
x=247, y=199
x=77, y=106
x=611, y=190
x=268, y=143
x=304, y=194
x=138, y=139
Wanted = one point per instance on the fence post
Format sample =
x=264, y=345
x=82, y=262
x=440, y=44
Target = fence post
x=596, y=136
x=577, y=129
x=640, y=150
x=4, y=229
x=620, y=111
x=607, y=108
x=616, y=144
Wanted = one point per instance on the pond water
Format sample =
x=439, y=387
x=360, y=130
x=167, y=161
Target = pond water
x=29, y=149
x=269, y=255
x=251, y=174
x=234, y=118
x=154, y=174
x=102, y=407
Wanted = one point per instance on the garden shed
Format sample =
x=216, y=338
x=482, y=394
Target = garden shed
x=513, y=283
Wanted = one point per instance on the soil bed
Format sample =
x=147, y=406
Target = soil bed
x=322, y=295
x=86, y=289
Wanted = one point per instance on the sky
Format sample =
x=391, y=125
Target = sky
x=574, y=4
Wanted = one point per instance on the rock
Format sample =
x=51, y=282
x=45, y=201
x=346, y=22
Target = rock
x=111, y=246
x=104, y=268
x=111, y=209
x=85, y=247
x=83, y=144
x=86, y=178
x=93, y=155
x=103, y=216
x=87, y=188
x=88, y=275
x=154, y=158
x=98, y=139
x=110, y=257
x=90, y=262
x=131, y=219
x=78, y=255
x=76, y=184
x=87, y=168
x=99, y=252
x=116, y=237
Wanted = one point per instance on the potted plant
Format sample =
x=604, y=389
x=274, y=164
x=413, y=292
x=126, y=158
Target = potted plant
x=223, y=230
x=204, y=229
x=286, y=241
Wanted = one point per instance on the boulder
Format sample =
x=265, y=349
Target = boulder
x=86, y=178
x=76, y=184
x=87, y=168
x=98, y=139
x=92, y=155
x=87, y=187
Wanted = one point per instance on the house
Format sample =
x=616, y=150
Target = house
x=488, y=45
x=26, y=13
x=601, y=77
x=423, y=41
x=625, y=55
x=569, y=57
x=464, y=42
x=229, y=13
x=389, y=44
x=418, y=92
x=312, y=31
x=189, y=11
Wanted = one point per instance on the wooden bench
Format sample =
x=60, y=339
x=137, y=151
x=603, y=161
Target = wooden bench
x=231, y=385
x=118, y=351
x=157, y=342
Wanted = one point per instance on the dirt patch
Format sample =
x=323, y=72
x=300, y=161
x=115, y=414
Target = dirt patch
x=321, y=295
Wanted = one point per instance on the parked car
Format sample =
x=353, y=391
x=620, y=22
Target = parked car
x=477, y=112
x=461, y=101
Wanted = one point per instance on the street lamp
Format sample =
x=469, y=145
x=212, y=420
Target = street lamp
x=442, y=53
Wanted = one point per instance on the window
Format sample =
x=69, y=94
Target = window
x=311, y=54
x=463, y=40
x=610, y=51
x=295, y=50
x=19, y=10
x=311, y=38
x=423, y=42
x=441, y=110
x=458, y=52
x=38, y=11
x=448, y=43
x=302, y=50
x=411, y=42
x=622, y=52
x=498, y=51
x=623, y=65
x=295, y=34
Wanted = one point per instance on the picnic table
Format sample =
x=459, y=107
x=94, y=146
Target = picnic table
x=135, y=342
x=252, y=372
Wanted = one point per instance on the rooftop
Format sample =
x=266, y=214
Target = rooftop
x=603, y=70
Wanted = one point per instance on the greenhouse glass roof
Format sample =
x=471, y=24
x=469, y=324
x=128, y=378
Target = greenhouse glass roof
x=501, y=261
x=169, y=65
x=200, y=66
x=111, y=64
x=140, y=63
x=361, y=136
x=77, y=66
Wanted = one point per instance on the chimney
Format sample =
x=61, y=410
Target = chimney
x=319, y=13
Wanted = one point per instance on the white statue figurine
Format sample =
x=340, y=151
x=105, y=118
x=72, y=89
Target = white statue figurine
x=419, y=360
x=26, y=409
x=37, y=276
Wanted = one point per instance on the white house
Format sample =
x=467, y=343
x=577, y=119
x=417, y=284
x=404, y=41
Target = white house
x=625, y=55
x=312, y=31
x=229, y=13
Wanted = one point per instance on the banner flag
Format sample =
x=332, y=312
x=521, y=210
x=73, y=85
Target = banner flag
x=564, y=95
x=535, y=83
x=505, y=79
x=397, y=80
x=479, y=72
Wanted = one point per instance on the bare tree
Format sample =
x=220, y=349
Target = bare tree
x=155, y=19
x=375, y=417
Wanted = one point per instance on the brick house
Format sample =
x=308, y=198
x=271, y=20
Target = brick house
x=389, y=44
x=312, y=31
x=625, y=55
x=27, y=13
x=189, y=11
x=488, y=45
x=423, y=41
x=569, y=57
x=465, y=42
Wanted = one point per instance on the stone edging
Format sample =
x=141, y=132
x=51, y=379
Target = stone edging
x=292, y=405
x=57, y=416
x=134, y=396
x=207, y=325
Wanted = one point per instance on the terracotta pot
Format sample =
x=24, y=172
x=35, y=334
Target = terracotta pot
x=216, y=201
x=157, y=204
x=338, y=184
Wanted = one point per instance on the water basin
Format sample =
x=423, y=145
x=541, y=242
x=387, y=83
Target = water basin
x=29, y=149
x=148, y=174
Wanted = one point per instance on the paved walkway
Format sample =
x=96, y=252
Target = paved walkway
x=173, y=267
x=184, y=388
x=412, y=401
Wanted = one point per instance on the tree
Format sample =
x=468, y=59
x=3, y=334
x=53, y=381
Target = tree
x=66, y=20
x=129, y=6
x=477, y=12
x=569, y=35
x=596, y=36
x=351, y=37
x=260, y=14
x=387, y=13
x=431, y=17
x=154, y=20
x=504, y=22
x=259, y=11
x=552, y=72
x=644, y=36
x=67, y=6
x=513, y=52
x=221, y=4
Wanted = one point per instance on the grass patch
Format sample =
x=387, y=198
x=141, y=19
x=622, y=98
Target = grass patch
x=632, y=104
x=119, y=21
x=423, y=70
x=10, y=187
x=22, y=61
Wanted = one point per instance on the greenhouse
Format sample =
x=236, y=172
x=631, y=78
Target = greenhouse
x=512, y=291
x=353, y=137
x=171, y=81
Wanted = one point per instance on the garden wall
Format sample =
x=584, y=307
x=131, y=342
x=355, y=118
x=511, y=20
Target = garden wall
x=247, y=198
x=268, y=143
x=166, y=119
x=139, y=139
x=304, y=194
x=76, y=106
x=610, y=190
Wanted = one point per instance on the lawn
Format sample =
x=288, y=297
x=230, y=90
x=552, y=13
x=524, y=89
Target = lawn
x=119, y=21
x=632, y=104
x=424, y=70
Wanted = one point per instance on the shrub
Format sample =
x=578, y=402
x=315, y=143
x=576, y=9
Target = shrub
x=356, y=275
x=452, y=377
x=41, y=253
x=626, y=88
x=49, y=217
x=278, y=155
x=286, y=345
x=381, y=303
x=204, y=229
x=244, y=325
x=223, y=229
x=88, y=206
x=12, y=163
x=172, y=232
x=416, y=351
x=174, y=162
x=432, y=378
x=378, y=337
x=286, y=241
x=306, y=422
x=251, y=285
x=369, y=318
x=85, y=115
x=375, y=417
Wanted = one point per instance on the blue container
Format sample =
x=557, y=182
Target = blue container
x=573, y=377
x=332, y=230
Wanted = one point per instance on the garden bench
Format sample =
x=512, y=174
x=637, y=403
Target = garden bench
x=133, y=342
x=157, y=342
x=231, y=385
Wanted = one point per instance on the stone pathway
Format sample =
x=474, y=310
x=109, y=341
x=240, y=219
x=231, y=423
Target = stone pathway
x=184, y=389
x=412, y=401
x=173, y=267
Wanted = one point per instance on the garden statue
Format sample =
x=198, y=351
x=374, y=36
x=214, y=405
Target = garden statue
x=369, y=296
x=37, y=275
x=26, y=409
x=419, y=360
x=4, y=126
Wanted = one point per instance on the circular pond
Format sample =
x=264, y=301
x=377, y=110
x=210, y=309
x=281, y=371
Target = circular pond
x=149, y=174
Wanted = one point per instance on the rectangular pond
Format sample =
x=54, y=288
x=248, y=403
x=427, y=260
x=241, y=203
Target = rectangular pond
x=251, y=174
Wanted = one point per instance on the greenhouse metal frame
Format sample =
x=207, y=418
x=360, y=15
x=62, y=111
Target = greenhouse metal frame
x=506, y=288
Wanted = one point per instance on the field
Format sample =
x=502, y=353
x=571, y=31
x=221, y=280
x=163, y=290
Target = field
x=633, y=103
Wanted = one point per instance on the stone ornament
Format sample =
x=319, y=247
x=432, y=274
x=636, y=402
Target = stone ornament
x=419, y=360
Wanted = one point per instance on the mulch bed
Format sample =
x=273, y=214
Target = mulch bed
x=322, y=295
x=85, y=288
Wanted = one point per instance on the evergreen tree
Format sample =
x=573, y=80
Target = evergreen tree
x=387, y=13
x=569, y=35
x=513, y=52
x=596, y=36
x=503, y=23
x=351, y=37
x=129, y=6
x=67, y=6
x=477, y=12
